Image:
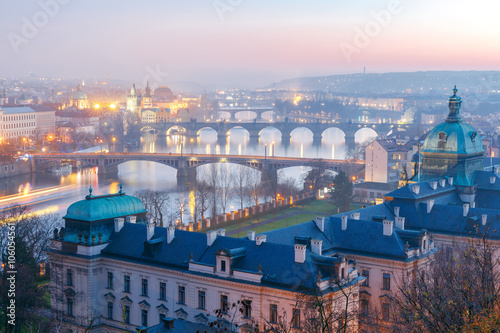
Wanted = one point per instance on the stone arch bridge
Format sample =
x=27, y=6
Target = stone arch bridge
x=186, y=164
x=193, y=128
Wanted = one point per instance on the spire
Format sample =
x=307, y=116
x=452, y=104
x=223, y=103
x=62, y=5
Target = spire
x=454, y=104
x=133, y=92
x=148, y=90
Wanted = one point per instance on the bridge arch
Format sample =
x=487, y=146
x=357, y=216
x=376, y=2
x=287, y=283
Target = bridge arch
x=364, y=134
x=204, y=128
x=302, y=127
x=333, y=134
x=147, y=129
x=238, y=127
x=180, y=129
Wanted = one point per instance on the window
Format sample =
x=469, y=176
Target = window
x=70, y=307
x=273, y=313
x=162, y=318
x=343, y=273
x=247, y=309
x=126, y=283
x=385, y=311
x=163, y=290
x=69, y=277
x=386, y=281
x=223, y=303
x=126, y=314
x=110, y=310
x=366, y=274
x=223, y=266
x=110, y=280
x=364, y=306
x=144, y=318
x=182, y=295
x=201, y=299
x=144, y=288
x=296, y=318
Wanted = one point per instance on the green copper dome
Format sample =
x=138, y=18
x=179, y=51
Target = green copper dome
x=453, y=136
x=452, y=148
x=95, y=208
x=78, y=94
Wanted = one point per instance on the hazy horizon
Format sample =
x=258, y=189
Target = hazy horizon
x=243, y=43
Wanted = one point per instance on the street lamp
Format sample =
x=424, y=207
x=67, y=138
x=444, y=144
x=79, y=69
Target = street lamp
x=24, y=144
x=114, y=140
x=265, y=150
x=192, y=141
x=273, y=149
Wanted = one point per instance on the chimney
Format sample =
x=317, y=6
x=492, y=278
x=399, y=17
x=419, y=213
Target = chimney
x=466, y=209
x=396, y=211
x=251, y=235
x=119, y=223
x=355, y=216
x=497, y=169
x=388, y=227
x=221, y=232
x=211, y=236
x=168, y=323
x=416, y=189
x=260, y=239
x=442, y=182
x=320, y=223
x=316, y=246
x=150, y=229
x=450, y=180
x=492, y=179
x=344, y=222
x=131, y=219
x=434, y=185
x=430, y=204
x=484, y=219
x=170, y=234
x=300, y=253
x=400, y=222
x=473, y=204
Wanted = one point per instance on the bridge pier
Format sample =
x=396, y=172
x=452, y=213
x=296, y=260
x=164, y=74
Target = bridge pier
x=286, y=137
x=317, y=137
x=186, y=176
x=254, y=137
x=349, y=142
x=222, y=139
x=232, y=118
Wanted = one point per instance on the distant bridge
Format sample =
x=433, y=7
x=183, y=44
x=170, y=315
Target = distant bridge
x=186, y=164
x=259, y=111
x=192, y=129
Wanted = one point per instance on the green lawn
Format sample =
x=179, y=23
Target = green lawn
x=308, y=212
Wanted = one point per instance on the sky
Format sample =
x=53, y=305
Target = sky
x=246, y=43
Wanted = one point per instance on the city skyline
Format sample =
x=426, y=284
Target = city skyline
x=242, y=43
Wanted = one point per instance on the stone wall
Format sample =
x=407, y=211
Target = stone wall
x=14, y=168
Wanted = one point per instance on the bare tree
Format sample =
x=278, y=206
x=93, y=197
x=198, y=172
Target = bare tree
x=213, y=182
x=459, y=286
x=241, y=184
x=201, y=195
x=226, y=180
x=254, y=185
x=156, y=203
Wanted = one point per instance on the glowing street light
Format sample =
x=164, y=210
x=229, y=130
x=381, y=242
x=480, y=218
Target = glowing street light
x=97, y=106
x=112, y=106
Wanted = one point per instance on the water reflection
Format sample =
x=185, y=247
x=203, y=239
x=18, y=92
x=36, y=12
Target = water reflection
x=136, y=175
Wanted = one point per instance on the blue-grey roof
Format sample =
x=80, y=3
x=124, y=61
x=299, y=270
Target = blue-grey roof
x=16, y=110
x=276, y=261
x=180, y=326
x=362, y=237
x=95, y=208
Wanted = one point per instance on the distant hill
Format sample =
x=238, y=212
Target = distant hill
x=431, y=82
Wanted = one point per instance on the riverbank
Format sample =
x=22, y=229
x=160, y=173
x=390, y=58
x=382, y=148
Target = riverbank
x=17, y=168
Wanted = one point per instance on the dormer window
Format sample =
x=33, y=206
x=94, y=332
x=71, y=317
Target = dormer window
x=223, y=266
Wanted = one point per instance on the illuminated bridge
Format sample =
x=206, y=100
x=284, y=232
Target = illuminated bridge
x=186, y=164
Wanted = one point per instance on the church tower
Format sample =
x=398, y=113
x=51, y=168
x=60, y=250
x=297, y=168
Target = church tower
x=452, y=148
x=134, y=101
x=147, y=100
